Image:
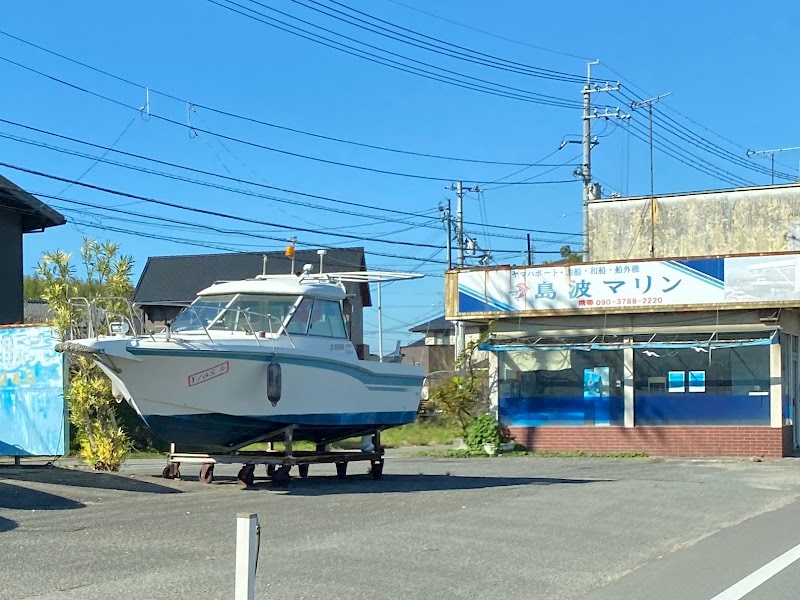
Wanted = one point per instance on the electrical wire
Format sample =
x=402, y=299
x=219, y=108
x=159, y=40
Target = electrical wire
x=209, y=212
x=227, y=178
x=254, y=120
x=439, y=46
x=461, y=80
x=489, y=33
x=196, y=130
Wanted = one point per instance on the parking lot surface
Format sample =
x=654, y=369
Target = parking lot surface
x=489, y=528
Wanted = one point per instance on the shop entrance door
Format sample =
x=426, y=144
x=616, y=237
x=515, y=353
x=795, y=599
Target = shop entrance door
x=596, y=394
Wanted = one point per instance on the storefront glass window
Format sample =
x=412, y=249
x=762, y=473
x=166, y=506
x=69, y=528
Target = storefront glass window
x=702, y=386
x=560, y=387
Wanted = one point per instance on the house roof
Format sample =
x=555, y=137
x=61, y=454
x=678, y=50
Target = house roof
x=179, y=278
x=34, y=213
x=437, y=324
x=37, y=311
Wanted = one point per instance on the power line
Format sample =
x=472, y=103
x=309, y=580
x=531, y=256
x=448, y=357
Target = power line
x=229, y=178
x=196, y=129
x=211, y=212
x=489, y=33
x=248, y=119
x=461, y=80
x=438, y=46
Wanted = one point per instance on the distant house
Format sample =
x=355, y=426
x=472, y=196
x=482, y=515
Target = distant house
x=435, y=351
x=20, y=213
x=170, y=280
x=37, y=311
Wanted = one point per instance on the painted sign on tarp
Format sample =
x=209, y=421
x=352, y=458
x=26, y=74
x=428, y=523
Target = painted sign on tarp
x=640, y=285
x=32, y=410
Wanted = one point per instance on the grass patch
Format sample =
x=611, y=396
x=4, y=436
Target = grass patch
x=145, y=454
x=429, y=432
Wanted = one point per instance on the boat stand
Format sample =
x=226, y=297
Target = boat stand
x=279, y=464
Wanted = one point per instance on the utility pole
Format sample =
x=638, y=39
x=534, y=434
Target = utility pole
x=585, y=173
x=649, y=103
x=449, y=221
x=460, y=190
x=772, y=154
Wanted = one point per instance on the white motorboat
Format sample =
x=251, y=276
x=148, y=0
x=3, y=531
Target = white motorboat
x=249, y=358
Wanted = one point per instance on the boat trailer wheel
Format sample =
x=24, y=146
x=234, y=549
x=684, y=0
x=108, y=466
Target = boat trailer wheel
x=172, y=471
x=281, y=476
x=341, y=470
x=207, y=473
x=302, y=471
x=376, y=469
x=247, y=475
x=270, y=471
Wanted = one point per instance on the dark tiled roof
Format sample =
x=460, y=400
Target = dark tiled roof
x=420, y=343
x=437, y=324
x=35, y=214
x=37, y=311
x=179, y=278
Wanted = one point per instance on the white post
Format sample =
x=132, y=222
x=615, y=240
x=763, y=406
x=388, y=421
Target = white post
x=246, y=554
x=380, y=324
x=776, y=387
x=628, y=384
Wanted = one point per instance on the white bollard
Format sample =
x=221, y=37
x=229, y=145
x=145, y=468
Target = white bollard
x=247, y=534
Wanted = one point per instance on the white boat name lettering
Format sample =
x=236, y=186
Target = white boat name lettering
x=209, y=374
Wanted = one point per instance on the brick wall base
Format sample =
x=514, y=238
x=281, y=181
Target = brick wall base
x=661, y=441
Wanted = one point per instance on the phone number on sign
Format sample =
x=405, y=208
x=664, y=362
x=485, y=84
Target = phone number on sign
x=628, y=301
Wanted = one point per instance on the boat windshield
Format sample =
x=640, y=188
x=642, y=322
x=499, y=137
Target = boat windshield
x=201, y=313
x=250, y=313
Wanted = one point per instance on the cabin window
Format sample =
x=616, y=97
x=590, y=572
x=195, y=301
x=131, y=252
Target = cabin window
x=326, y=319
x=298, y=325
x=257, y=312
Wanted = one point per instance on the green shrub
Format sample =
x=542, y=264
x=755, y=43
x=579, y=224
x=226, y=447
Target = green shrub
x=483, y=430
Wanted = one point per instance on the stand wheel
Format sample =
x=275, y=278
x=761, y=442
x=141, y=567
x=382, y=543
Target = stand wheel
x=270, y=471
x=376, y=469
x=207, y=473
x=172, y=471
x=247, y=475
x=281, y=476
x=303, y=471
x=341, y=470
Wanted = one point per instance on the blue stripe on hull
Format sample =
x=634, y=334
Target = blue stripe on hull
x=231, y=430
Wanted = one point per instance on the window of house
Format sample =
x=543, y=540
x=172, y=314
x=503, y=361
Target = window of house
x=561, y=387
x=702, y=385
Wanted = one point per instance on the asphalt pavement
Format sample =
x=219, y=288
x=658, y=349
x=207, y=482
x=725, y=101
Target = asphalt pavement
x=488, y=528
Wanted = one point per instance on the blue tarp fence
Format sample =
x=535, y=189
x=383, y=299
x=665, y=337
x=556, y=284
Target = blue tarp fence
x=33, y=415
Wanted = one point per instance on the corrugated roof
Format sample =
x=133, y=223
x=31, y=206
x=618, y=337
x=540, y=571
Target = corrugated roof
x=437, y=324
x=179, y=278
x=35, y=214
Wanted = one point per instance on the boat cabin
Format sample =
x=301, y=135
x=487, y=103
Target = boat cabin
x=268, y=306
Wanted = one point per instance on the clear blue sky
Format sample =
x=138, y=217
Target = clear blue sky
x=730, y=67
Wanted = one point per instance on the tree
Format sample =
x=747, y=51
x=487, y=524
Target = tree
x=103, y=443
x=464, y=396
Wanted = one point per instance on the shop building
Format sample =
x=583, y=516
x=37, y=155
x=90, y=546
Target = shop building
x=692, y=356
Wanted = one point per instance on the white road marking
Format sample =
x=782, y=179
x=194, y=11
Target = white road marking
x=756, y=578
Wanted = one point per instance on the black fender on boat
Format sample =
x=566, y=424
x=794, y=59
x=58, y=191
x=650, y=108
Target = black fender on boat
x=274, y=383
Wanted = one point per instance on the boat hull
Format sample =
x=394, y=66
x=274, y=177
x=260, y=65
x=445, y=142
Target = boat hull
x=226, y=398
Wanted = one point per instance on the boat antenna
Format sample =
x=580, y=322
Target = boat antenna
x=321, y=253
x=264, y=265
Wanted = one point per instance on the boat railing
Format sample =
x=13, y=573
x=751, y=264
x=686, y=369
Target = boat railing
x=101, y=316
x=246, y=313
